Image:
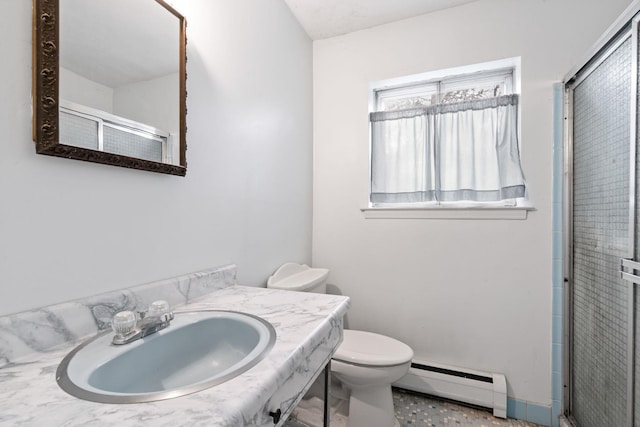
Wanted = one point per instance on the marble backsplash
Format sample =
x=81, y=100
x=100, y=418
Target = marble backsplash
x=46, y=328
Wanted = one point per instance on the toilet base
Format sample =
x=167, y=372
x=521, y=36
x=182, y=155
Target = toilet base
x=371, y=407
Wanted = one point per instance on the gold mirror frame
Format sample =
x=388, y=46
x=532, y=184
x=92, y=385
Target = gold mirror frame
x=46, y=62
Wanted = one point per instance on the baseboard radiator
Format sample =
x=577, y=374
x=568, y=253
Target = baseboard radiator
x=484, y=389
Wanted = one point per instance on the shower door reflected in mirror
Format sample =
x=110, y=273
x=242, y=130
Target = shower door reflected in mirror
x=121, y=83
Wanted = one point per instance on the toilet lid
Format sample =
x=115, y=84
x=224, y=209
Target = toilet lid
x=367, y=348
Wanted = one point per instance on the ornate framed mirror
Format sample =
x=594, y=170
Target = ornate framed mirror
x=109, y=83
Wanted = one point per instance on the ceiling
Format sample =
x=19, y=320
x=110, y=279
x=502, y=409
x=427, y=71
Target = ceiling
x=118, y=42
x=322, y=19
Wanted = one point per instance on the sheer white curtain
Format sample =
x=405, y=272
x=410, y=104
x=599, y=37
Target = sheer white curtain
x=447, y=152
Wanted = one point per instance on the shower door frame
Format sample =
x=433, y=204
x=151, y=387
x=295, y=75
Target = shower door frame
x=627, y=25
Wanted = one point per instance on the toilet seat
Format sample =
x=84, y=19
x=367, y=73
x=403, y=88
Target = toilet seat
x=370, y=349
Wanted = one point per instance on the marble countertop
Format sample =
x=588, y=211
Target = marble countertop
x=308, y=327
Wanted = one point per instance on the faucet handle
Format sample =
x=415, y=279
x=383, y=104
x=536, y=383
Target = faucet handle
x=158, y=308
x=123, y=323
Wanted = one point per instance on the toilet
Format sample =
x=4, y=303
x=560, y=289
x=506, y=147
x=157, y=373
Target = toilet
x=366, y=363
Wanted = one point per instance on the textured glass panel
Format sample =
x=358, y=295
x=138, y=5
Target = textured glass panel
x=473, y=93
x=118, y=141
x=600, y=227
x=407, y=103
x=78, y=131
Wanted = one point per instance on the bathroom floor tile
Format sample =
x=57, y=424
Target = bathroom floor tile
x=419, y=410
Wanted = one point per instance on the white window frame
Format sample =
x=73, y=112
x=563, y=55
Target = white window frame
x=418, y=83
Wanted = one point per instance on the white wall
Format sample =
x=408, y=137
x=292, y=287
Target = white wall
x=80, y=90
x=152, y=102
x=468, y=293
x=70, y=229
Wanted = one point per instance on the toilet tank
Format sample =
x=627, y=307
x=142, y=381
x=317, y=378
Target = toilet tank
x=299, y=277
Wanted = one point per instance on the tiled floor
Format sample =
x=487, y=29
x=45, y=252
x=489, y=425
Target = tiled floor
x=418, y=410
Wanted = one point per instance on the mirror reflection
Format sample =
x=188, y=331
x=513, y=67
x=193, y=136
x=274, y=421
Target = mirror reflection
x=119, y=78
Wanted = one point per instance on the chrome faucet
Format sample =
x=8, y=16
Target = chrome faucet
x=128, y=328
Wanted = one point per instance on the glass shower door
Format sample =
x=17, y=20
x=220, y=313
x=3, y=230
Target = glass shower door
x=602, y=105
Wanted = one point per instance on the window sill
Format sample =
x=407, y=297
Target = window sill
x=505, y=212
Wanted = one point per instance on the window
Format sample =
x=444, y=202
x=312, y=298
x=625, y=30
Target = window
x=447, y=138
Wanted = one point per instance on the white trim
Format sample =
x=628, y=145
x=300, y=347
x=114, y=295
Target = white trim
x=505, y=212
x=451, y=72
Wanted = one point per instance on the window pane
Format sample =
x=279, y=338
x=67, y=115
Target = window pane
x=404, y=98
x=407, y=103
x=78, y=131
x=475, y=87
x=131, y=144
x=472, y=93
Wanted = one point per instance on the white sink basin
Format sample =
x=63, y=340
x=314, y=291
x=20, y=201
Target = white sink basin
x=198, y=350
